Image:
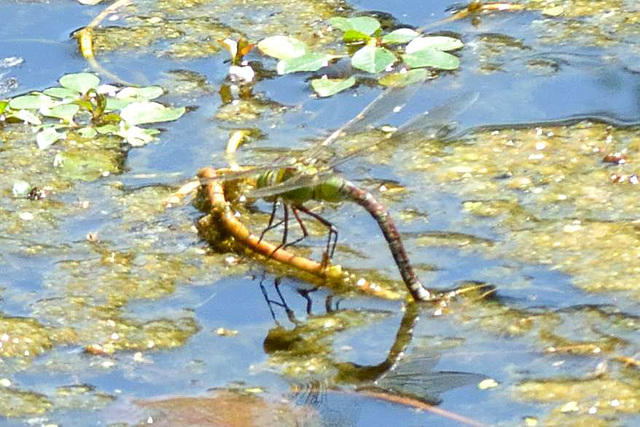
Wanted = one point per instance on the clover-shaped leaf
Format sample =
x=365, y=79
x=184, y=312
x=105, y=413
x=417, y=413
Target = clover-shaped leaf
x=142, y=112
x=372, y=59
x=80, y=82
x=48, y=136
x=402, y=35
x=431, y=58
x=326, y=87
x=282, y=47
x=362, y=24
x=31, y=102
x=307, y=62
x=433, y=42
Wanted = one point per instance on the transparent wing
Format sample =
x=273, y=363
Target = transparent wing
x=433, y=123
x=415, y=377
x=437, y=122
x=388, y=102
x=300, y=181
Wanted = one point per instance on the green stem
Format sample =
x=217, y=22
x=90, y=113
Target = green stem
x=388, y=227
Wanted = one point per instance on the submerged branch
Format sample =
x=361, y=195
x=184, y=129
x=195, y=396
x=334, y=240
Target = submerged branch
x=223, y=216
x=85, y=40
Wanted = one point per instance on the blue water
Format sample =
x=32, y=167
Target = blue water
x=580, y=82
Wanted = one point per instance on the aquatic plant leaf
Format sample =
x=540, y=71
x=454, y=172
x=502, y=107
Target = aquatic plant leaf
x=434, y=42
x=282, y=47
x=405, y=78
x=372, y=59
x=31, y=102
x=137, y=136
x=107, y=89
x=61, y=92
x=328, y=87
x=20, y=188
x=431, y=58
x=307, y=62
x=47, y=137
x=106, y=129
x=362, y=24
x=64, y=112
x=27, y=117
x=3, y=106
x=402, y=35
x=87, y=132
x=117, y=104
x=80, y=82
x=140, y=93
x=354, y=36
x=553, y=11
x=142, y=112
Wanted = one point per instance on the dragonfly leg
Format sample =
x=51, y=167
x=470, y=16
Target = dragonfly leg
x=305, y=233
x=285, y=234
x=332, y=239
x=305, y=294
x=271, y=225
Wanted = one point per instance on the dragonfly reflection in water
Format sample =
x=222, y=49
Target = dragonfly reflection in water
x=407, y=376
x=293, y=182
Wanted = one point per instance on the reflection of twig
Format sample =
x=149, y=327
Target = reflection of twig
x=417, y=404
x=223, y=216
x=85, y=40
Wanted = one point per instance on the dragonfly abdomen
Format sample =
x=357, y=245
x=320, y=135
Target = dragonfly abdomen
x=391, y=234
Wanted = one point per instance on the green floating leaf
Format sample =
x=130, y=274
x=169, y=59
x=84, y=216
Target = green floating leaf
x=402, y=35
x=431, y=58
x=353, y=36
x=137, y=136
x=404, y=78
x=118, y=104
x=140, y=93
x=282, y=47
x=64, y=112
x=150, y=112
x=328, y=87
x=31, y=102
x=340, y=23
x=362, y=24
x=107, y=129
x=372, y=59
x=3, y=106
x=435, y=42
x=21, y=188
x=307, y=62
x=47, y=137
x=61, y=92
x=80, y=82
x=87, y=132
x=27, y=117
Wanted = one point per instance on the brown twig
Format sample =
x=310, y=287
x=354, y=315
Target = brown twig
x=474, y=8
x=85, y=40
x=223, y=215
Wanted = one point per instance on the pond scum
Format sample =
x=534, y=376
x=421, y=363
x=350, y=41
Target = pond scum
x=564, y=197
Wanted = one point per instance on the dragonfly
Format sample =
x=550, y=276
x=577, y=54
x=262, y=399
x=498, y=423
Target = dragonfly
x=312, y=176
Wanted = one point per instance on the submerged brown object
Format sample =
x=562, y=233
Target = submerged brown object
x=222, y=215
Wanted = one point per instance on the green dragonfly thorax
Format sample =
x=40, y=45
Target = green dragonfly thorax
x=326, y=190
